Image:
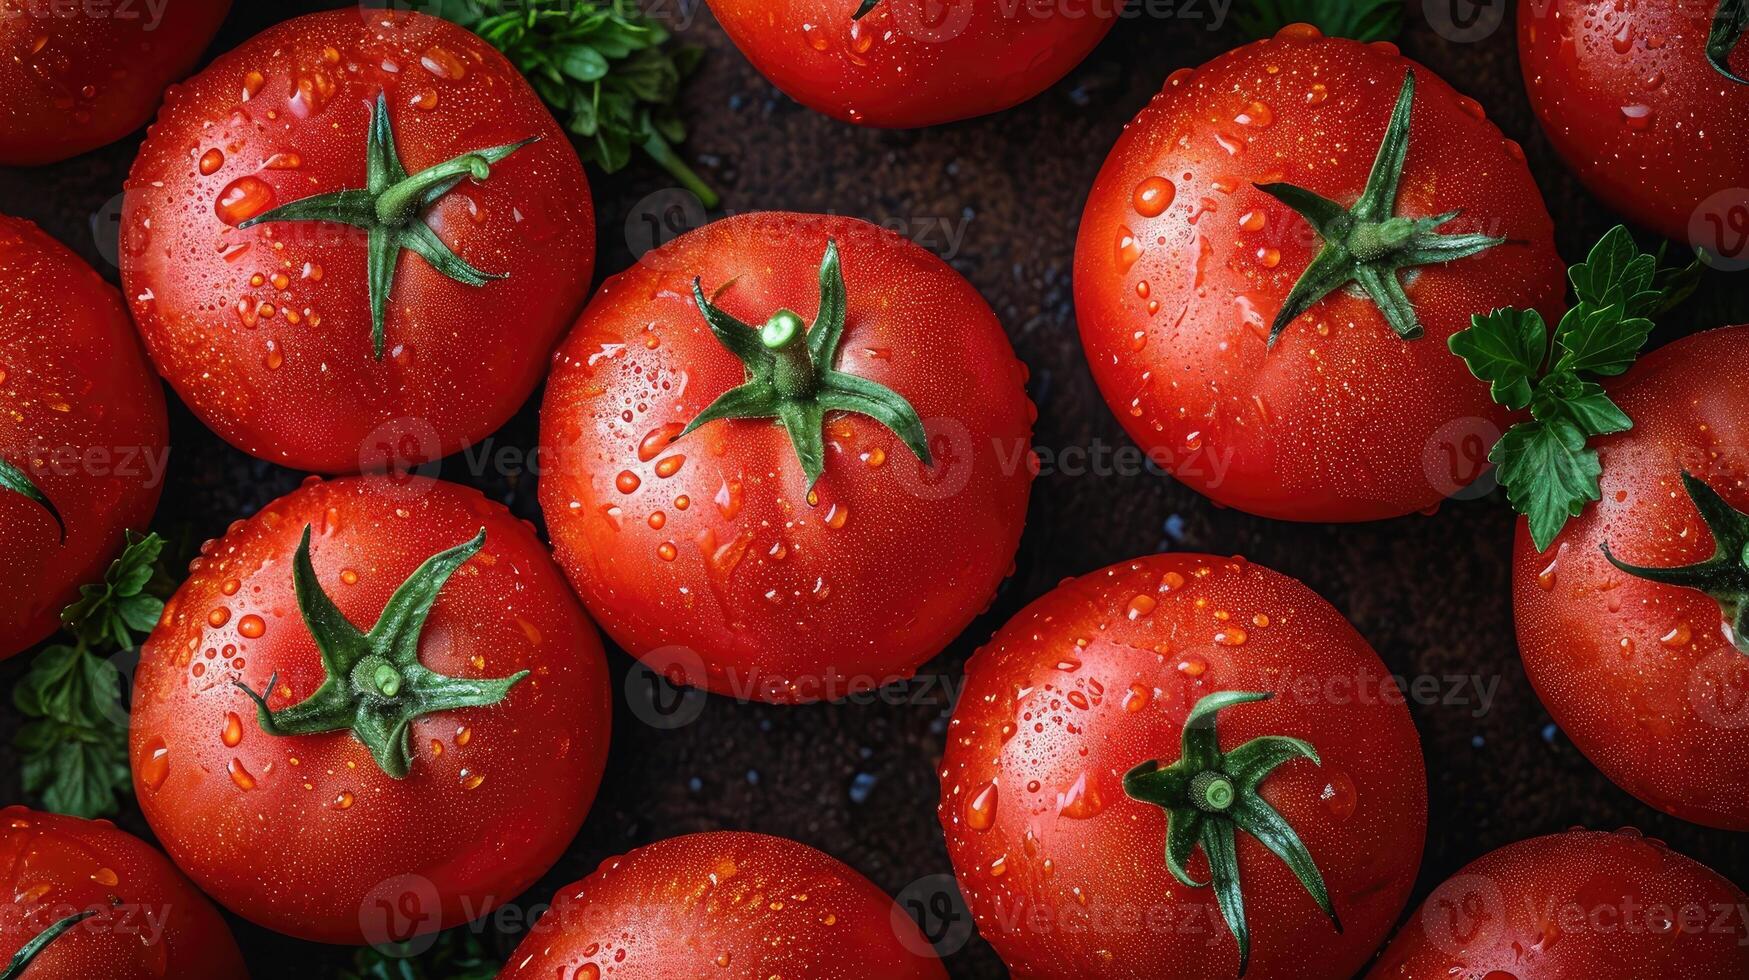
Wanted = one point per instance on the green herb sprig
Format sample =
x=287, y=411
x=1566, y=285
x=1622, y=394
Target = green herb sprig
x=74, y=756
x=1546, y=463
x=607, y=69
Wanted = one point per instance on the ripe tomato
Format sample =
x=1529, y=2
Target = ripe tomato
x=78, y=76
x=1057, y=811
x=1647, y=677
x=1190, y=268
x=406, y=779
x=83, y=436
x=123, y=912
x=1629, y=98
x=729, y=904
x=908, y=63
x=325, y=331
x=1580, y=904
x=713, y=554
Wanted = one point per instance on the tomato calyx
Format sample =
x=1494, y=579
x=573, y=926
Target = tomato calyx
x=391, y=208
x=863, y=11
x=21, y=960
x=1369, y=245
x=1724, y=576
x=16, y=480
x=791, y=378
x=1208, y=795
x=1728, y=27
x=375, y=684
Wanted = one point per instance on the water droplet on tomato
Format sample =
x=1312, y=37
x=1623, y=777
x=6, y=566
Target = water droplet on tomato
x=251, y=626
x=155, y=767
x=981, y=809
x=1338, y=796
x=1128, y=249
x=627, y=481
x=1080, y=801
x=1153, y=196
x=232, y=733
x=242, y=199
x=211, y=161
x=1638, y=118
x=240, y=775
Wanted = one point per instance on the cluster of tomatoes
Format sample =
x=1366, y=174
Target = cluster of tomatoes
x=362, y=229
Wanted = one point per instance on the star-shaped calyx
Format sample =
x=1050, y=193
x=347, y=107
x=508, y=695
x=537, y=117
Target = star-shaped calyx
x=1727, y=31
x=1724, y=576
x=862, y=11
x=391, y=208
x=1368, y=244
x=16, y=480
x=791, y=377
x=1209, y=795
x=375, y=684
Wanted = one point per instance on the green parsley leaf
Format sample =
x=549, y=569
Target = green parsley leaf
x=607, y=69
x=1549, y=472
x=1362, y=20
x=1505, y=348
x=73, y=750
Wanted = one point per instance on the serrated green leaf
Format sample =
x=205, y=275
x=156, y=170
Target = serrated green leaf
x=1610, y=264
x=73, y=770
x=1505, y=348
x=1599, y=341
x=1549, y=474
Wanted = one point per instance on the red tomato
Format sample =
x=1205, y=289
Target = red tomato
x=141, y=919
x=1581, y=904
x=1631, y=102
x=909, y=63
x=77, y=76
x=267, y=329
x=1647, y=678
x=83, y=426
x=709, y=554
x=477, y=737
x=724, y=904
x=1053, y=749
x=1184, y=266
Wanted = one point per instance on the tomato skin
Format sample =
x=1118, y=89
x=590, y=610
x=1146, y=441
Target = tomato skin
x=726, y=569
x=320, y=824
x=74, y=79
x=724, y=904
x=266, y=332
x=89, y=431
x=1067, y=875
x=1578, y=904
x=912, y=63
x=1342, y=420
x=1640, y=675
x=59, y=866
x=1653, y=131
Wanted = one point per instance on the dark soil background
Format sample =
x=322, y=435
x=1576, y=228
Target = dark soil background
x=1430, y=593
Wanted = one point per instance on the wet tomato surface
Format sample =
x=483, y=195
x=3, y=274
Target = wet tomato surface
x=718, y=556
x=263, y=321
x=1183, y=262
x=1627, y=95
x=910, y=63
x=1647, y=677
x=298, y=824
x=1603, y=906
x=81, y=422
x=75, y=76
x=724, y=904
x=141, y=919
x=1063, y=868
